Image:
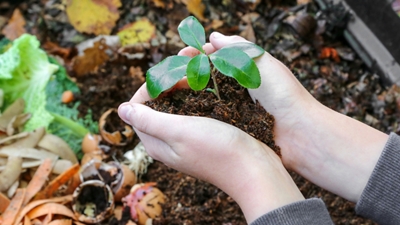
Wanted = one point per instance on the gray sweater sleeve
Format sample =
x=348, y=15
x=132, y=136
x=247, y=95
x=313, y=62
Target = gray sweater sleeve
x=308, y=212
x=381, y=196
x=379, y=200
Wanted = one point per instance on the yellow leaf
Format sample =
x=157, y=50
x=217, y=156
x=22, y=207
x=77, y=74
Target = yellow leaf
x=93, y=16
x=137, y=32
x=196, y=7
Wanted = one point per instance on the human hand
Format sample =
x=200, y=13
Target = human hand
x=332, y=150
x=246, y=169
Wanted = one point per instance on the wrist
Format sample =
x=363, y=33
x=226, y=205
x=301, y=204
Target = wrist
x=334, y=151
x=267, y=186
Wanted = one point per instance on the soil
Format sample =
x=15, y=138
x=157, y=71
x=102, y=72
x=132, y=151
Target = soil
x=235, y=107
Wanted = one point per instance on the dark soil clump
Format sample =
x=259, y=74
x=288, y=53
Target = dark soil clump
x=235, y=107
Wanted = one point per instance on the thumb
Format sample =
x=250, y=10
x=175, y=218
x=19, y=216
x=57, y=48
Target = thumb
x=149, y=121
x=219, y=40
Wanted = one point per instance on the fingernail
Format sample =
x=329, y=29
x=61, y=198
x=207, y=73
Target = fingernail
x=217, y=35
x=124, y=112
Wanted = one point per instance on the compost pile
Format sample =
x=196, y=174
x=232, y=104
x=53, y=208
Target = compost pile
x=106, y=51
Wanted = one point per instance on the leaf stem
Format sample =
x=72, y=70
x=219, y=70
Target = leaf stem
x=74, y=126
x=215, y=83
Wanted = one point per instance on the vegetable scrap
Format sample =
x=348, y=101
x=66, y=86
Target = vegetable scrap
x=42, y=179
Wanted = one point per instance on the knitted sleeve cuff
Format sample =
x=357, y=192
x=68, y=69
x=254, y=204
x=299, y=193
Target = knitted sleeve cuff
x=380, y=198
x=307, y=212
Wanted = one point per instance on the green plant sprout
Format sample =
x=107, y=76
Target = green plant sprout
x=234, y=60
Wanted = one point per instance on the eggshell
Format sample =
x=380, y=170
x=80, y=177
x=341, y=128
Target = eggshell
x=91, y=143
x=128, y=180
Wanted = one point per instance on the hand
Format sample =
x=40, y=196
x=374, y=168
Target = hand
x=246, y=169
x=332, y=150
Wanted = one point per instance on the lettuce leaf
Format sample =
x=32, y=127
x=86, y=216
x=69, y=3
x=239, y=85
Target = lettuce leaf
x=67, y=123
x=24, y=72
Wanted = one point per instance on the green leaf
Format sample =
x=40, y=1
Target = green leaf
x=68, y=123
x=198, y=72
x=166, y=74
x=251, y=49
x=192, y=33
x=24, y=72
x=237, y=64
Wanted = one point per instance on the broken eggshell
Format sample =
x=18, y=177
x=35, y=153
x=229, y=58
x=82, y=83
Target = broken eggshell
x=95, y=155
x=93, y=201
x=128, y=180
x=119, y=177
x=91, y=143
x=145, y=202
x=109, y=131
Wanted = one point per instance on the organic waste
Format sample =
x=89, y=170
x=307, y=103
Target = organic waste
x=27, y=72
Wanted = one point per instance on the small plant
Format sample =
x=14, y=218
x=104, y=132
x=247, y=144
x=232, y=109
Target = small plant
x=234, y=60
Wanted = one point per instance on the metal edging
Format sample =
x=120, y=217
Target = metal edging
x=368, y=47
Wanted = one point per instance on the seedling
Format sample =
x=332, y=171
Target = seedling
x=234, y=60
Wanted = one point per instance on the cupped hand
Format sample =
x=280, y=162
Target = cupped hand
x=330, y=149
x=280, y=93
x=246, y=169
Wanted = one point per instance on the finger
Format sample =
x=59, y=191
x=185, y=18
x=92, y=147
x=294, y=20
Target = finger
x=182, y=84
x=191, y=52
x=157, y=149
x=141, y=95
x=151, y=122
x=209, y=48
x=219, y=40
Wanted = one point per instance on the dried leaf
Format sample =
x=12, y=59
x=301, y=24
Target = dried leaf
x=51, y=208
x=196, y=7
x=29, y=141
x=16, y=108
x=15, y=26
x=27, y=221
x=93, y=16
x=57, y=182
x=17, y=123
x=30, y=153
x=92, y=59
x=4, y=203
x=11, y=173
x=26, y=164
x=13, y=138
x=54, y=49
x=14, y=207
x=215, y=24
x=140, y=31
x=38, y=180
x=60, y=222
x=137, y=74
x=32, y=205
x=248, y=32
x=58, y=146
